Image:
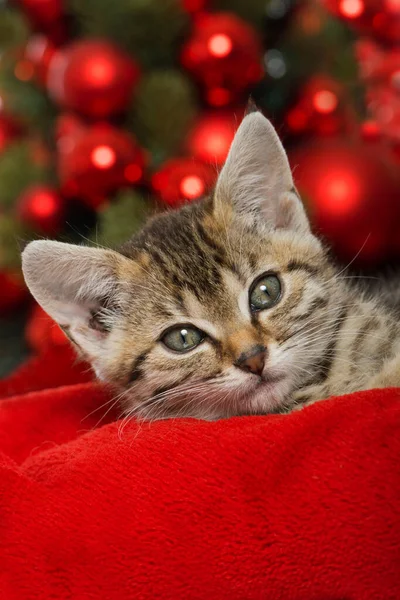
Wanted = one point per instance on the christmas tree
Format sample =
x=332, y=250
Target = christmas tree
x=111, y=111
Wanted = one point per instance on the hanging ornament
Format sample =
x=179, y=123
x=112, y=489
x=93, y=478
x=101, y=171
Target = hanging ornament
x=95, y=161
x=370, y=131
x=94, y=78
x=351, y=197
x=13, y=291
x=9, y=130
x=39, y=52
x=383, y=104
x=211, y=136
x=319, y=109
x=378, y=65
x=224, y=55
x=194, y=6
x=41, y=208
x=182, y=179
x=380, y=71
x=376, y=18
x=42, y=13
x=42, y=332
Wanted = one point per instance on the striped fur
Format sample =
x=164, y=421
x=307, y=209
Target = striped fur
x=196, y=266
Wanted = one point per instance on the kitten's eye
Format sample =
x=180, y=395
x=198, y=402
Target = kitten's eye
x=265, y=292
x=183, y=338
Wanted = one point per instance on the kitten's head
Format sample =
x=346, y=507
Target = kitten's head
x=214, y=310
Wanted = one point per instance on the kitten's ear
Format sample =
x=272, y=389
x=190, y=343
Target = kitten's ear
x=256, y=178
x=74, y=285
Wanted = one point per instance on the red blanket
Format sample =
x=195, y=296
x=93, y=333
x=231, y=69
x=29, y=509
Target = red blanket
x=297, y=507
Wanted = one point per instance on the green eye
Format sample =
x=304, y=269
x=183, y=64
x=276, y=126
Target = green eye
x=182, y=338
x=265, y=292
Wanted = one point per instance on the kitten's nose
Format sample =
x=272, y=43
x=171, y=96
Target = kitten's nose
x=252, y=361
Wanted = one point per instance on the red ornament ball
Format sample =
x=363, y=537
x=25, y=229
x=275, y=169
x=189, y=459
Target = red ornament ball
x=384, y=106
x=376, y=18
x=194, y=6
x=42, y=332
x=95, y=161
x=9, y=130
x=380, y=70
x=13, y=292
x=224, y=55
x=42, y=13
x=94, y=78
x=370, y=131
x=351, y=196
x=319, y=109
x=42, y=208
x=211, y=137
x=183, y=179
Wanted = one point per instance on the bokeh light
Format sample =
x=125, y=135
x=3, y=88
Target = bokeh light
x=192, y=186
x=220, y=45
x=103, y=157
x=351, y=8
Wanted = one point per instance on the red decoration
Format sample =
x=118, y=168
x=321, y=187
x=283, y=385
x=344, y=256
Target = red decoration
x=319, y=110
x=13, y=292
x=42, y=332
x=39, y=52
x=9, y=130
x=351, y=196
x=42, y=13
x=42, y=208
x=92, y=77
x=94, y=161
x=378, y=18
x=211, y=137
x=194, y=6
x=380, y=71
x=377, y=65
x=183, y=179
x=224, y=54
x=370, y=131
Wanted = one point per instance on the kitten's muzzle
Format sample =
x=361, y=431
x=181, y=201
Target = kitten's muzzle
x=253, y=361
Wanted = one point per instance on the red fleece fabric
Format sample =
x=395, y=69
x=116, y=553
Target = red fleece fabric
x=298, y=507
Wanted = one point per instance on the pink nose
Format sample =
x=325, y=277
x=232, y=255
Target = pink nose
x=252, y=361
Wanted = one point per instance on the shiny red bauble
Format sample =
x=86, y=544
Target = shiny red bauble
x=42, y=13
x=183, y=179
x=351, y=196
x=224, y=54
x=42, y=332
x=194, y=6
x=380, y=71
x=95, y=161
x=211, y=136
x=319, y=109
x=376, y=18
x=41, y=208
x=92, y=77
x=10, y=129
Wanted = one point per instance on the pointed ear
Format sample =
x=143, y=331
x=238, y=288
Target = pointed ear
x=256, y=179
x=77, y=287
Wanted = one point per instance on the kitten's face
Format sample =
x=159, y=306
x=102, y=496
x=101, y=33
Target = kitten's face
x=210, y=333
x=212, y=311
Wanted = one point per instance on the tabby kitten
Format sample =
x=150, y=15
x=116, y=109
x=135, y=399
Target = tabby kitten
x=228, y=306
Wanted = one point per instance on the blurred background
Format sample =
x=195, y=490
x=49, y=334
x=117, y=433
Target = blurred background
x=111, y=110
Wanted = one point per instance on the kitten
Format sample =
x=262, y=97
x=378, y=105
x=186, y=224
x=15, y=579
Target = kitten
x=228, y=306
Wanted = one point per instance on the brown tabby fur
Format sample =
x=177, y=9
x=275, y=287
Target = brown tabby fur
x=195, y=266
